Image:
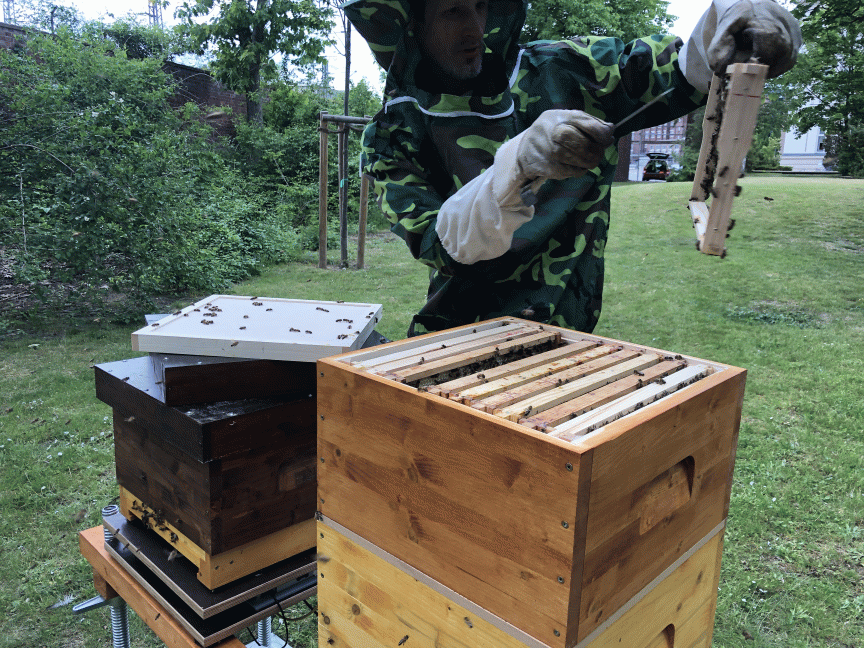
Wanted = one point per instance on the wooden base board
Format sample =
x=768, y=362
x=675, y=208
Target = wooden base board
x=119, y=582
x=180, y=575
x=366, y=599
x=212, y=630
x=220, y=569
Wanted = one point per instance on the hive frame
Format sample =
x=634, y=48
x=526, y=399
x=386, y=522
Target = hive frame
x=725, y=144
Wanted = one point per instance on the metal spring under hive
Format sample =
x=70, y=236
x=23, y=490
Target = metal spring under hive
x=530, y=374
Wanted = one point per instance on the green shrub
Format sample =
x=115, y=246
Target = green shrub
x=102, y=183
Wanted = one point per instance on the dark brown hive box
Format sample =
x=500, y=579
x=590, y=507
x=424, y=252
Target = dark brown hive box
x=219, y=475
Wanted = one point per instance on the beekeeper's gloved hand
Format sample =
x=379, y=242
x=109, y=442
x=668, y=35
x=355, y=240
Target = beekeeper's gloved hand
x=478, y=221
x=736, y=31
x=559, y=144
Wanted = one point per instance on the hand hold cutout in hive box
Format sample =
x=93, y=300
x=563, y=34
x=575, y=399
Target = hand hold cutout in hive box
x=232, y=326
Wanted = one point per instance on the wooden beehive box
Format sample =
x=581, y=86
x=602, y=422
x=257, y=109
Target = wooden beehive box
x=367, y=598
x=218, y=476
x=597, y=465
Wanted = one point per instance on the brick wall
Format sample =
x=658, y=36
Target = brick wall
x=197, y=86
x=11, y=34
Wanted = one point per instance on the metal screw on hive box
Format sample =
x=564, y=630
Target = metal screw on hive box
x=119, y=620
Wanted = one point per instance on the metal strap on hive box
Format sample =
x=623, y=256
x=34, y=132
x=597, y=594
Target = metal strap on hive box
x=497, y=621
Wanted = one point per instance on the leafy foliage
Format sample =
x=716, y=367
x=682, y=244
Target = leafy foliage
x=245, y=35
x=140, y=41
x=830, y=75
x=626, y=19
x=101, y=182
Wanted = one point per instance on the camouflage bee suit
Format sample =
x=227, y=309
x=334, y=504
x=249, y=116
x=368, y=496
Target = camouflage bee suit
x=422, y=147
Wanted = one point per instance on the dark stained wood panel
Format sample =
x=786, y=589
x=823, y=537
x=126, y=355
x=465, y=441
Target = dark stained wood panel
x=205, y=431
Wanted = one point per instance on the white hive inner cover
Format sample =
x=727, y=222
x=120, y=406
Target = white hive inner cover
x=232, y=326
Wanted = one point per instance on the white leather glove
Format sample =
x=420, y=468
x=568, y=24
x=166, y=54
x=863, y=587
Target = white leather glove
x=559, y=144
x=736, y=31
x=478, y=221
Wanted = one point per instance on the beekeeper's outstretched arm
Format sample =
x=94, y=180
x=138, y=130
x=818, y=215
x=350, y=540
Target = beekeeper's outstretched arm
x=736, y=31
x=477, y=223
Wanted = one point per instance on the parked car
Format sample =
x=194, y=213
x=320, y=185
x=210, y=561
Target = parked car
x=657, y=167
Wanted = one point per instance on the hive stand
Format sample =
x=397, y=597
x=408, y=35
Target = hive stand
x=727, y=132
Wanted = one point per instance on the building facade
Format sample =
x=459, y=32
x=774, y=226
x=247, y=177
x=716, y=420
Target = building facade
x=804, y=152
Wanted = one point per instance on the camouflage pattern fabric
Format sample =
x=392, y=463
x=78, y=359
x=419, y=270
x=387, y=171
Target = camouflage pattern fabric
x=423, y=146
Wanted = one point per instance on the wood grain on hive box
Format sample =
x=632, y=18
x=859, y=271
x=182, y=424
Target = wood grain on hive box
x=223, y=475
x=188, y=380
x=261, y=327
x=551, y=533
x=367, y=597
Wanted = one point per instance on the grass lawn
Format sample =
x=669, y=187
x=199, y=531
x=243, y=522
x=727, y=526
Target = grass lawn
x=787, y=303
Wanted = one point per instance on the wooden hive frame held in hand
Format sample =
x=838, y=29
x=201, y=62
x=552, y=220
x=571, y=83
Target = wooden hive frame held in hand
x=725, y=143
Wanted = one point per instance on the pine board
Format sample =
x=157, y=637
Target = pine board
x=483, y=505
x=190, y=380
x=367, y=598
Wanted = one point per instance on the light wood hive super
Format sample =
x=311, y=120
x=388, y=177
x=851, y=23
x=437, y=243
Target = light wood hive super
x=545, y=475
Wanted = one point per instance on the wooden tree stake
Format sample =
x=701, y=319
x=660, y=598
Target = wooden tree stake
x=727, y=132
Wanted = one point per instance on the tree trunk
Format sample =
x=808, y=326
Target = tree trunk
x=254, y=112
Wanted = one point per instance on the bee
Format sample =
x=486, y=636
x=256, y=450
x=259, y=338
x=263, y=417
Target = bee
x=257, y=303
x=235, y=343
x=242, y=328
x=322, y=309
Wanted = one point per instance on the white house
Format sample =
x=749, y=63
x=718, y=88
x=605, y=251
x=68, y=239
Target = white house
x=803, y=152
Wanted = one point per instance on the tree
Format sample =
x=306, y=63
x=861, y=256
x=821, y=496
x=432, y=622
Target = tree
x=829, y=78
x=46, y=15
x=626, y=19
x=247, y=34
x=774, y=117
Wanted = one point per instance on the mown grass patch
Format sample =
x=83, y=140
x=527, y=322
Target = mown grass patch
x=786, y=304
